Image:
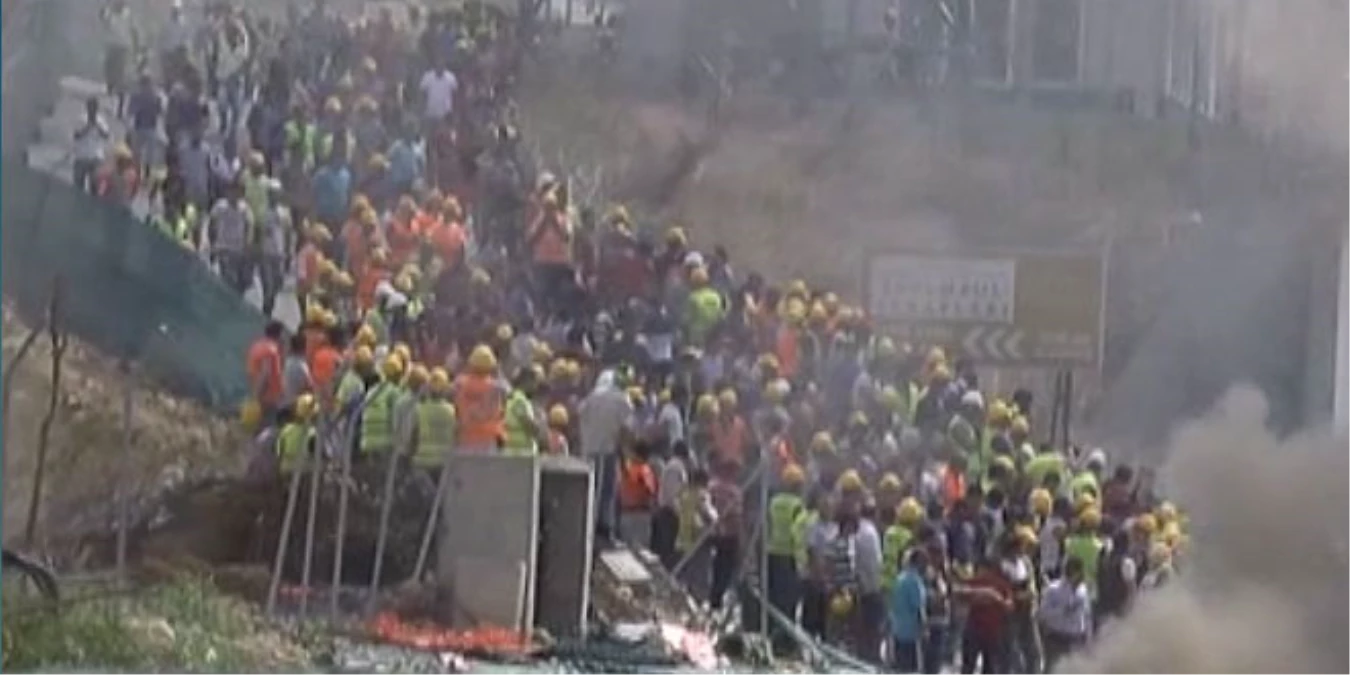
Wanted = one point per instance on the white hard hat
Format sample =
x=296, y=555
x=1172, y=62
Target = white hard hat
x=973, y=398
x=693, y=259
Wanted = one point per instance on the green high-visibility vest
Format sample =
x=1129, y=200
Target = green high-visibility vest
x=293, y=443
x=805, y=519
x=300, y=141
x=1087, y=548
x=1085, y=481
x=377, y=419
x=349, y=387
x=518, y=437
x=916, y=392
x=783, y=511
x=893, y=546
x=435, y=432
x=1042, y=465
x=376, y=321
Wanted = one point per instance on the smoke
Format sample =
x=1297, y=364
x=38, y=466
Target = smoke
x=1265, y=577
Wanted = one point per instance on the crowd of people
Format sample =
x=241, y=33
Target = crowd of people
x=455, y=299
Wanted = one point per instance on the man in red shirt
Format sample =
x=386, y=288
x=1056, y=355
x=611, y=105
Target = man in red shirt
x=990, y=598
x=264, y=370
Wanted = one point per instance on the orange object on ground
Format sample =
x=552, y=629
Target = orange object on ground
x=389, y=628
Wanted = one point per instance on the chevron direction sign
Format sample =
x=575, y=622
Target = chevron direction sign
x=1006, y=308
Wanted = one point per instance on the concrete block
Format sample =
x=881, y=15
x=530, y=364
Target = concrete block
x=566, y=543
x=488, y=532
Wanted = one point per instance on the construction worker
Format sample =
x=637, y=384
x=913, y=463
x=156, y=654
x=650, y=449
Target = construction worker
x=1088, y=481
x=479, y=401
x=351, y=384
x=521, y=428
x=405, y=408
x=264, y=371
x=558, y=421
x=898, y=539
x=436, y=424
x=297, y=438
x=1084, y=544
x=706, y=308
x=730, y=435
x=785, y=509
x=377, y=411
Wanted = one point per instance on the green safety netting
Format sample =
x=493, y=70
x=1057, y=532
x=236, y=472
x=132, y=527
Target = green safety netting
x=128, y=289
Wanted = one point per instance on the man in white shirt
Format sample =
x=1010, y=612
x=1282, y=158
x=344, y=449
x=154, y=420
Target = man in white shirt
x=670, y=483
x=1065, y=614
x=91, y=146
x=871, y=602
x=602, y=419
x=438, y=87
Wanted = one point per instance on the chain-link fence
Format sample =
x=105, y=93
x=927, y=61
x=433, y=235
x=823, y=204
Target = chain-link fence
x=128, y=289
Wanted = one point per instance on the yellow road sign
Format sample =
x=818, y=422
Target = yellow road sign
x=1035, y=308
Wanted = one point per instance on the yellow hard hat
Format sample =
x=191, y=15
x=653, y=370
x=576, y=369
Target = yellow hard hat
x=663, y=396
x=889, y=481
x=573, y=369
x=480, y=277
x=999, y=412
x=558, y=369
x=1146, y=524
x=1172, y=536
x=698, y=276
x=360, y=202
x=822, y=441
x=404, y=352
x=256, y=160
x=941, y=373
x=795, y=311
x=122, y=151
x=365, y=336
x=378, y=162
x=1090, y=518
x=363, y=356
x=841, y=603
x=890, y=398
x=540, y=352
x=314, y=314
x=504, y=332
x=636, y=395
x=768, y=361
x=380, y=256
x=1159, y=553
x=439, y=382
x=618, y=213
x=557, y=416
x=1166, y=513
x=1040, y=501
x=327, y=268
x=392, y=368
x=818, y=313
x=329, y=319
x=417, y=376
x=675, y=236
x=1025, y=535
x=793, y=475
x=831, y=302
x=306, y=407
x=727, y=399
x=403, y=284
x=1084, y=502
x=706, y=405
x=936, y=356
x=857, y=418
x=332, y=105
x=343, y=280
x=1020, y=425
x=1005, y=462
x=797, y=287
x=909, y=513
x=482, y=360
x=319, y=233
x=849, y=481
x=885, y=347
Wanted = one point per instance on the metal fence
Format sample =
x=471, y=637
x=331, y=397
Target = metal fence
x=127, y=288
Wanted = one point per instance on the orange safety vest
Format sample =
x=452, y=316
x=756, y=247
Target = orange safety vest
x=448, y=241
x=402, y=238
x=729, y=439
x=637, y=488
x=783, y=451
x=323, y=367
x=478, y=402
x=365, y=287
x=315, y=338
x=551, y=243
x=264, y=358
x=953, y=487
x=788, y=351
x=354, y=241
x=308, y=274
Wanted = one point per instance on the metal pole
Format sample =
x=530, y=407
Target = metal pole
x=292, y=496
x=311, y=517
x=122, y=498
x=764, y=478
x=432, y=518
x=386, y=506
x=344, y=491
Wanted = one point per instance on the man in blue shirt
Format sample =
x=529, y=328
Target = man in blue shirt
x=332, y=191
x=908, y=608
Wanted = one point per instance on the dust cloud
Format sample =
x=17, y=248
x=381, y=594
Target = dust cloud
x=1265, y=581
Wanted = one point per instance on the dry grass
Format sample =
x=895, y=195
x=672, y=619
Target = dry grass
x=171, y=439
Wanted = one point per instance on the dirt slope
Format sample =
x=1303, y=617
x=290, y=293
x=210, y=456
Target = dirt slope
x=171, y=439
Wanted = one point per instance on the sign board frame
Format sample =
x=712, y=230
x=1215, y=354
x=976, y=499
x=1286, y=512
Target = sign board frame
x=1004, y=324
